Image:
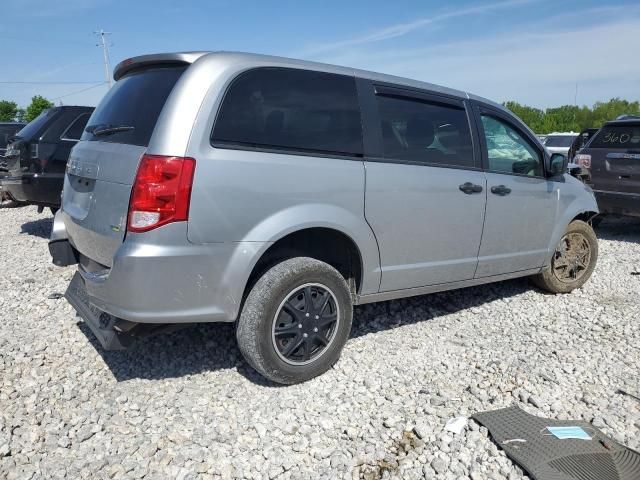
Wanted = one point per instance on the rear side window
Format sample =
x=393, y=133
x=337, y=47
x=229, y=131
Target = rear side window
x=617, y=136
x=559, y=140
x=291, y=109
x=75, y=130
x=424, y=132
x=32, y=128
x=129, y=111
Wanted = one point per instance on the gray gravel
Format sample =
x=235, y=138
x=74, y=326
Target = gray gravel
x=184, y=405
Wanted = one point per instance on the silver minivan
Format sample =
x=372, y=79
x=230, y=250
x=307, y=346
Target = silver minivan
x=278, y=194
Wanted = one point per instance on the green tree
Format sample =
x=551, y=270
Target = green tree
x=38, y=104
x=533, y=117
x=571, y=117
x=8, y=111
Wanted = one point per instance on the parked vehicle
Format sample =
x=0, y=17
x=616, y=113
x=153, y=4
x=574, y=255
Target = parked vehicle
x=37, y=156
x=559, y=142
x=231, y=187
x=611, y=161
x=580, y=141
x=7, y=131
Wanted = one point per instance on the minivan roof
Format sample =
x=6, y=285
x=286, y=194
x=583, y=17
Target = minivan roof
x=248, y=60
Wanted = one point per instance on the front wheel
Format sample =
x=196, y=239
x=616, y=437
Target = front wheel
x=295, y=320
x=573, y=260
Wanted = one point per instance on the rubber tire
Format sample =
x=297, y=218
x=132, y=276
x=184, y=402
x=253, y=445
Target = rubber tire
x=253, y=330
x=547, y=281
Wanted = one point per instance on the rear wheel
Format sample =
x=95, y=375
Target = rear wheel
x=295, y=320
x=573, y=261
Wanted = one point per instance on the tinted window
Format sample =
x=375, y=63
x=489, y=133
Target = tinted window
x=617, y=136
x=134, y=101
x=291, y=109
x=509, y=151
x=559, y=140
x=6, y=132
x=74, y=132
x=425, y=132
x=34, y=127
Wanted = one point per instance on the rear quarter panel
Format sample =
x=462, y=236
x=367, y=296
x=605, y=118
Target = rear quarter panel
x=252, y=196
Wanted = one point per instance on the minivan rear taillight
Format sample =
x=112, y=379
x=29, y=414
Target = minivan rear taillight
x=583, y=160
x=161, y=192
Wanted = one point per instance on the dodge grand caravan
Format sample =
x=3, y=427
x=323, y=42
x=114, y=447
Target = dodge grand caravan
x=277, y=194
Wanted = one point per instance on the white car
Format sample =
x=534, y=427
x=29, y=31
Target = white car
x=559, y=142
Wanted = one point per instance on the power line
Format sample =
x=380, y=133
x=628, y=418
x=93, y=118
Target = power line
x=45, y=83
x=79, y=91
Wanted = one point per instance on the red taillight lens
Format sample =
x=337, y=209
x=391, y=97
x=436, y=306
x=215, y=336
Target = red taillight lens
x=161, y=192
x=583, y=160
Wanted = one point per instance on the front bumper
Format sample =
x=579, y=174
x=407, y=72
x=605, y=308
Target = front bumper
x=35, y=188
x=159, y=277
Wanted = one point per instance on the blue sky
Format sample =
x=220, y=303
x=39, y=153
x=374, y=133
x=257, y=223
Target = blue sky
x=531, y=51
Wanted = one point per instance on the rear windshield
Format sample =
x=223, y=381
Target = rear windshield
x=559, y=141
x=617, y=136
x=6, y=132
x=129, y=111
x=36, y=124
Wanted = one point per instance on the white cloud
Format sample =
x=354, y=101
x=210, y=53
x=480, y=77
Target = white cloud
x=402, y=29
x=539, y=68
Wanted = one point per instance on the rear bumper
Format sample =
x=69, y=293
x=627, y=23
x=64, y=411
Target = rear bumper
x=35, y=188
x=107, y=329
x=617, y=203
x=159, y=277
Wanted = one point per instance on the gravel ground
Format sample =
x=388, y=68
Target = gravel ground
x=185, y=405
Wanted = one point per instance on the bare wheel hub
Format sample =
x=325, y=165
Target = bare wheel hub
x=572, y=258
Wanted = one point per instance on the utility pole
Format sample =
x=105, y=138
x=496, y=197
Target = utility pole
x=105, y=49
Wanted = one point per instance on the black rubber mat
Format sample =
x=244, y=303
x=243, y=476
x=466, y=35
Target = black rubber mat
x=526, y=441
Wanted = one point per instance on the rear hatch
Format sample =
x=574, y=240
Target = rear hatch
x=615, y=158
x=25, y=145
x=103, y=165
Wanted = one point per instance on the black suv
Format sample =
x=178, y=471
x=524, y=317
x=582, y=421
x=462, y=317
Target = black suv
x=37, y=156
x=7, y=131
x=612, y=162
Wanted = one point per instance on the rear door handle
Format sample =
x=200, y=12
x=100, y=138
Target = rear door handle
x=501, y=190
x=470, y=188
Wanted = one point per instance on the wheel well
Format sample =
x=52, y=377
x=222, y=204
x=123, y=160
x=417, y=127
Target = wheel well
x=324, y=244
x=585, y=216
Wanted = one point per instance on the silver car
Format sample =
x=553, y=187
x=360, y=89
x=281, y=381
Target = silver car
x=278, y=194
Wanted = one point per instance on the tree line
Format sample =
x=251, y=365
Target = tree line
x=571, y=118
x=566, y=118
x=10, y=112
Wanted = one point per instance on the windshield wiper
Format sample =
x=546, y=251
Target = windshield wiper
x=99, y=130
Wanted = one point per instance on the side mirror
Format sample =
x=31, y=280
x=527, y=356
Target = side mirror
x=557, y=165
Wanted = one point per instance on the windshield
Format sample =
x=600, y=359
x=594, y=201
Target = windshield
x=34, y=127
x=6, y=132
x=617, y=136
x=129, y=111
x=559, y=140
